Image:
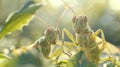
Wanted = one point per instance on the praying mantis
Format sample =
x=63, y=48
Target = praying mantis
x=45, y=41
x=51, y=36
x=43, y=44
x=86, y=40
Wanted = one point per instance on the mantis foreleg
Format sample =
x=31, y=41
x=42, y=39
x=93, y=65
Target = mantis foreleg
x=103, y=39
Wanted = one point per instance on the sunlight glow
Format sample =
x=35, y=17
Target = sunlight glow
x=56, y=3
x=114, y=4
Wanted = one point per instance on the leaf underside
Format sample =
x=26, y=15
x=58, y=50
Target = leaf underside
x=18, y=19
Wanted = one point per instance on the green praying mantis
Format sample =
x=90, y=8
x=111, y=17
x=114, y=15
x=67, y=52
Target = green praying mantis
x=86, y=39
x=44, y=42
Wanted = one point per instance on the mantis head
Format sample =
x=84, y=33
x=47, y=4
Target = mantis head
x=52, y=35
x=80, y=23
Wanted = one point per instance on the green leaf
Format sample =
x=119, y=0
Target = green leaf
x=3, y=57
x=86, y=63
x=91, y=64
x=111, y=65
x=78, y=60
x=31, y=58
x=62, y=63
x=18, y=19
x=74, y=61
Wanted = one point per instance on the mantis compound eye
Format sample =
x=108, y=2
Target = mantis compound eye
x=85, y=19
x=48, y=31
x=73, y=19
x=58, y=31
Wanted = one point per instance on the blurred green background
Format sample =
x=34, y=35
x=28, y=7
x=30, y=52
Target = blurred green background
x=104, y=14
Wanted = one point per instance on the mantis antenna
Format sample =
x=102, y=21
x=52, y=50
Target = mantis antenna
x=86, y=8
x=69, y=7
x=44, y=22
x=63, y=13
x=84, y=11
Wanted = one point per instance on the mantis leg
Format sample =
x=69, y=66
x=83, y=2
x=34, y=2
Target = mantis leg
x=114, y=61
x=102, y=35
x=61, y=49
x=99, y=31
x=71, y=38
x=69, y=35
x=103, y=39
